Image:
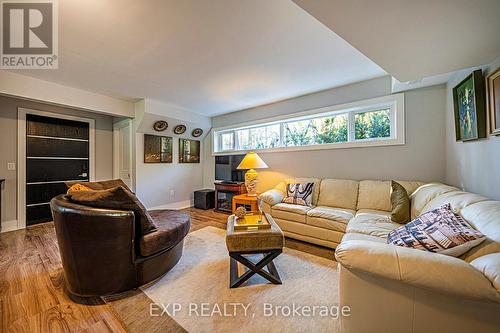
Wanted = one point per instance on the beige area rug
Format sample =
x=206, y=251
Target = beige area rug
x=198, y=289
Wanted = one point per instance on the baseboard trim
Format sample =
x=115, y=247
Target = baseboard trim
x=175, y=205
x=9, y=226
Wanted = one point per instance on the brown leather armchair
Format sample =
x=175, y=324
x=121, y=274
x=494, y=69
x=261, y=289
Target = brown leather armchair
x=101, y=248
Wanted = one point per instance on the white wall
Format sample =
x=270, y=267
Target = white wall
x=473, y=165
x=154, y=182
x=421, y=158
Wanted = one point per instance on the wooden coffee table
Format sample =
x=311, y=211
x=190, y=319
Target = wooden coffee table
x=240, y=243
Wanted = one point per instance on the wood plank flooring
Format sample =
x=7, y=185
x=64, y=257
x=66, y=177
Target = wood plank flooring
x=33, y=299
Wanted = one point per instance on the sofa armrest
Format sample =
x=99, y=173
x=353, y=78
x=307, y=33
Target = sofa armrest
x=272, y=197
x=418, y=268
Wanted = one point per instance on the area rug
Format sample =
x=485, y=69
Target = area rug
x=196, y=295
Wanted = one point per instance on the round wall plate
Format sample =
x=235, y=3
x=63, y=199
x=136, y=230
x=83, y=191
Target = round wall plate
x=160, y=125
x=197, y=132
x=179, y=129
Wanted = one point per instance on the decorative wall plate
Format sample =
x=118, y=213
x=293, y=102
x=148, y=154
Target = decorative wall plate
x=160, y=125
x=197, y=132
x=179, y=129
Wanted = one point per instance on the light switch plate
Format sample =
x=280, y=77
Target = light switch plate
x=11, y=166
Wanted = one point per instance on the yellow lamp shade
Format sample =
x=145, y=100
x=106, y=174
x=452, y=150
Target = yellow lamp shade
x=252, y=161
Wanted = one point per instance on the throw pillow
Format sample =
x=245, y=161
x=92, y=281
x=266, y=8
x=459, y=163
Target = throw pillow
x=299, y=194
x=116, y=198
x=101, y=185
x=440, y=231
x=77, y=187
x=400, y=201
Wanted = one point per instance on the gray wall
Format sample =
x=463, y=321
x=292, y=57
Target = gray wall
x=421, y=158
x=8, y=146
x=473, y=165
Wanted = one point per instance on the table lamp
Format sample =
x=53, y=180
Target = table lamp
x=250, y=162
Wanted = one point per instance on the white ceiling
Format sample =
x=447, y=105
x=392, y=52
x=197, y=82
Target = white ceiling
x=210, y=57
x=414, y=39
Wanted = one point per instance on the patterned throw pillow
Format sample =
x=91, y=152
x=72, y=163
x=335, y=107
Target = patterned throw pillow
x=439, y=230
x=299, y=194
x=77, y=187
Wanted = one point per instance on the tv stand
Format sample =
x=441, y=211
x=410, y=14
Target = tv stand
x=224, y=193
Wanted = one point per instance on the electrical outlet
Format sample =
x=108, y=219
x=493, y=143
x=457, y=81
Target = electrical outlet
x=11, y=166
x=172, y=193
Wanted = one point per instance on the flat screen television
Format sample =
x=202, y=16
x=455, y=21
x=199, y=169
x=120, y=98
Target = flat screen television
x=226, y=169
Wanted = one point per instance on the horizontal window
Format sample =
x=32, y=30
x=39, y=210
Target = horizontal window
x=374, y=122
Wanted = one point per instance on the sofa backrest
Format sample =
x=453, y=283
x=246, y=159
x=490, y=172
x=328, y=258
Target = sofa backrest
x=376, y=194
x=480, y=212
x=339, y=193
x=424, y=194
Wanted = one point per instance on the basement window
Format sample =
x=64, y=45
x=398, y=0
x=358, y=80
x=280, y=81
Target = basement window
x=374, y=122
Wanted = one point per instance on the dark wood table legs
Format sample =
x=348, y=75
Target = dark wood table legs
x=271, y=274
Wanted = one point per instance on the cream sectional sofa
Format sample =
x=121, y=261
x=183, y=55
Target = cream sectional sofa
x=338, y=206
x=395, y=289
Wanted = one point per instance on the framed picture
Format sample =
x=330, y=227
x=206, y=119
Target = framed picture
x=470, y=113
x=157, y=149
x=189, y=151
x=493, y=92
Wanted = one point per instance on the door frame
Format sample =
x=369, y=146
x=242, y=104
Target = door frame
x=116, y=151
x=21, y=154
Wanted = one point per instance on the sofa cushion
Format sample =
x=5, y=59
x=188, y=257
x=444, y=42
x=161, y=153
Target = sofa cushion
x=458, y=200
x=374, y=213
x=302, y=229
x=440, y=231
x=172, y=227
x=489, y=265
x=330, y=218
x=424, y=194
x=372, y=223
x=290, y=212
x=400, y=203
x=374, y=194
x=353, y=236
x=299, y=194
x=338, y=193
x=485, y=217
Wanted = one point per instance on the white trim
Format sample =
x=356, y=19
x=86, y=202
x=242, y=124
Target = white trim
x=21, y=155
x=395, y=102
x=9, y=226
x=175, y=205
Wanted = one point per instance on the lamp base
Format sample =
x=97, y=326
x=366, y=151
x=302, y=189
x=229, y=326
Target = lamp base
x=251, y=182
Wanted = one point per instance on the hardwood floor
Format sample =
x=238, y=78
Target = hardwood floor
x=32, y=296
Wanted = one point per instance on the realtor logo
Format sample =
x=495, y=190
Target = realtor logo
x=29, y=34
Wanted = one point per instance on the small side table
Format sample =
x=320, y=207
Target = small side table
x=250, y=203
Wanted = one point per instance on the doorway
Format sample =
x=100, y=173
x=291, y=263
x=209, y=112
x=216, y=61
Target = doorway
x=54, y=149
x=122, y=150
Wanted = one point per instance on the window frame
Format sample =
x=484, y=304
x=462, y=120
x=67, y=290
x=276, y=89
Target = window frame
x=395, y=103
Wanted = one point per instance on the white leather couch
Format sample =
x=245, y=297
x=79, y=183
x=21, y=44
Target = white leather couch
x=338, y=205
x=395, y=289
